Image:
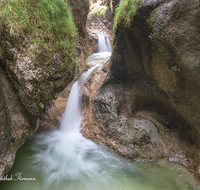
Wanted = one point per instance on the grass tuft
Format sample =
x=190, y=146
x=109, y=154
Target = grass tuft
x=125, y=12
x=48, y=23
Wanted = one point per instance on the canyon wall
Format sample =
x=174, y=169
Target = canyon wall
x=148, y=103
x=30, y=78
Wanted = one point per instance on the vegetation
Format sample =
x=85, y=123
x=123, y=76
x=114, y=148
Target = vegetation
x=48, y=23
x=125, y=12
x=41, y=105
x=97, y=10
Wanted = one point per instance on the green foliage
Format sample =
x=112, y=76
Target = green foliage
x=97, y=10
x=150, y=37
x=48, y=23
x=41, y=105
x=125, y=12
x=149, y=22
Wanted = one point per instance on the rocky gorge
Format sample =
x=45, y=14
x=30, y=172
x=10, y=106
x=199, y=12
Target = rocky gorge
x=143, y=103
x=148, y=104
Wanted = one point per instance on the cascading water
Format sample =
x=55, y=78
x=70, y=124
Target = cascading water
x=65, y=160
x=104, y=44
x=104, y=49
x=72, y=116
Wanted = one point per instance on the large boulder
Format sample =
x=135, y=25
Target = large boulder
x=149, y=108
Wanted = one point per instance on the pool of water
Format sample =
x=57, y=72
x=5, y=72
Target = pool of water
x=57, y=160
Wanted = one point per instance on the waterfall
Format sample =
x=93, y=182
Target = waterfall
x=104, y=44
x=72, y=116
x=64, y=159
x=104, y=49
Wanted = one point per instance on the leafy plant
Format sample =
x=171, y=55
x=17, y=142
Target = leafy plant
x=41, y=105
x=97, y=10
x=48, y=23
x=125, y=12
x=150, y=37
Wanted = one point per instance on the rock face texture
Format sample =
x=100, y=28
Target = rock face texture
x=148, y=105
x=86, y=43
x=28, y=80
x=14, y=126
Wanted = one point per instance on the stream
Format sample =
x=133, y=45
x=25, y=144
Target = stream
x=64, y=159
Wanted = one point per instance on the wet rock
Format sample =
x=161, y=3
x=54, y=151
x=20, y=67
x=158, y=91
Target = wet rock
x=149, y=106
x=53, y=112
x=14, y=125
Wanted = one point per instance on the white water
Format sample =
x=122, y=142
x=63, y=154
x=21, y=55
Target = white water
x=104, y=44
x=104, y=49
x=72, y=116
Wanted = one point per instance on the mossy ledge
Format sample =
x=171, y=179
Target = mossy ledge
x=38, y=47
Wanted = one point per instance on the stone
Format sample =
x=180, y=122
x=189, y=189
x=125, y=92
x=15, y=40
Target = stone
x=149, y=105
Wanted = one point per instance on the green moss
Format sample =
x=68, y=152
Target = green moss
x=134, y=143
x=100, y=87
x=48, y=23
x=125, y=12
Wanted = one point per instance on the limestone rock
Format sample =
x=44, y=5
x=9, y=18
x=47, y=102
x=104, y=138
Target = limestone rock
x=14, y=125
x=149, y=106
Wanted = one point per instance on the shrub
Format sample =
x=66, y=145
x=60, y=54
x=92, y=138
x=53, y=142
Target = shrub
x=125, y=12
x=48, y=23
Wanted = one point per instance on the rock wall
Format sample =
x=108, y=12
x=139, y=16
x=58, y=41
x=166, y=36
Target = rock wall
x=28, y=80
x=85, y=43
x=148, y=105
x=14, y=126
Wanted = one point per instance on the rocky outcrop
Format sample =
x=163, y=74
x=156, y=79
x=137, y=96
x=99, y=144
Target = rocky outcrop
x=148, y=106
x=30, y=78
x=14, y=127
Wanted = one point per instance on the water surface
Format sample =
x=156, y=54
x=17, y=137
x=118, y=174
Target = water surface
x=70, y=161
x=65, y=160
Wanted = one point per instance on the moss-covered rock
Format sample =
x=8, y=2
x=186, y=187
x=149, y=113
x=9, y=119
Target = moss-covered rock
x=38, y=59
